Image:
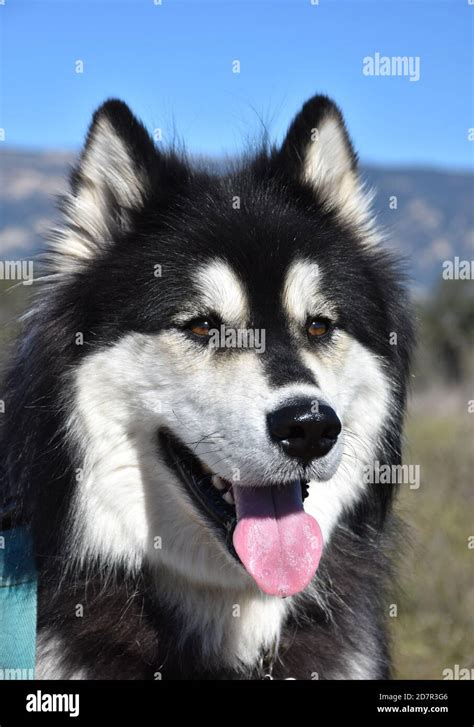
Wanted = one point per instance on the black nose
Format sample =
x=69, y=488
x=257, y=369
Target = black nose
x=304, y=430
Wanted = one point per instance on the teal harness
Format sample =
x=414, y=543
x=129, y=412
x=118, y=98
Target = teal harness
x=18, y=597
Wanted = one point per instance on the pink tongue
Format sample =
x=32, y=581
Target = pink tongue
x=279, y=544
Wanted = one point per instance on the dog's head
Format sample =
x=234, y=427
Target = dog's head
x=240, y=349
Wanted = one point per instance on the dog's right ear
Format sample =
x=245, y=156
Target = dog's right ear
x=119, y=169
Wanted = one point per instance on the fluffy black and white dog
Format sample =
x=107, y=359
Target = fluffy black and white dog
x=211, y=366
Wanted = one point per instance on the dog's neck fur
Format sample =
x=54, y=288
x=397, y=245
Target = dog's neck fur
x=236, y=632
x=164, y=627
x=237, y=628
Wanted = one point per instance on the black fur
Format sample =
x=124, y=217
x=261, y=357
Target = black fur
x=187, y=218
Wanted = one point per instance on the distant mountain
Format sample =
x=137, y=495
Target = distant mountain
x=433, y=220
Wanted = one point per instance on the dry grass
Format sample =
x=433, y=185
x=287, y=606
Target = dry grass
x=434, y=627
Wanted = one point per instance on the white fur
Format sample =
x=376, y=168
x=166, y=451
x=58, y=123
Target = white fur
x=221, y=291
x=236, y=627
x=358, y=665
x=301, y=292
x=327, y=168
x=50, y=663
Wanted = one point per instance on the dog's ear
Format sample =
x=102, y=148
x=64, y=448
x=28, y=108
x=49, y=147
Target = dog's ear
x=118, y=170
x=318, y=152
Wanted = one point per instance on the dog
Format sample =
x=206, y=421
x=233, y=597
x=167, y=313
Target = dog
x=213, y=361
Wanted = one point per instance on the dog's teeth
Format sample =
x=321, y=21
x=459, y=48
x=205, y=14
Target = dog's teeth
x=229, y=498
x=217, y=482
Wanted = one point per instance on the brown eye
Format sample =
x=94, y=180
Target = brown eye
x=317, y=328
x=200, y=328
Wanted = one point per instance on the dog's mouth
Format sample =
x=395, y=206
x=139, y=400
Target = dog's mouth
x=212, y=494
x=265, y=527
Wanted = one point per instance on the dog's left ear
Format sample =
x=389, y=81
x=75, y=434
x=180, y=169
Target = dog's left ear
x=318, y=152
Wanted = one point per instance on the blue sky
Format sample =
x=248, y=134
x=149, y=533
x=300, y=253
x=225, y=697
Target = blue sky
x=173, y=64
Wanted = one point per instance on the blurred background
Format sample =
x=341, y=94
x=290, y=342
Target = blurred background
x=174, y=63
